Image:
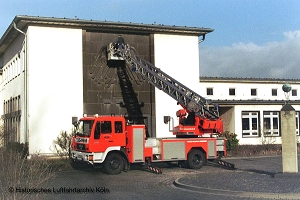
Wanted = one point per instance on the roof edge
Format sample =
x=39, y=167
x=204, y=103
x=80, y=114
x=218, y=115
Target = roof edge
x=255, y=102
x=22, y=22
x=199, y=30
x=247, y=80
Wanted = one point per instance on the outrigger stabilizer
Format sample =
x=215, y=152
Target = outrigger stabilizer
x=148, y=167
x=222, y=163
x=151, y=168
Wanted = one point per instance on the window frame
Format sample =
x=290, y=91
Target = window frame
x=209, y=91
x=253, y=90
x=231, y=90
x=250, y=115
x=271, y=115
x=274, y=92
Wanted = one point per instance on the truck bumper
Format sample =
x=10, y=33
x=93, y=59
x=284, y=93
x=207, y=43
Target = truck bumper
x=83, y=157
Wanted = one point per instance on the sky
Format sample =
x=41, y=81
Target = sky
x=251, y=38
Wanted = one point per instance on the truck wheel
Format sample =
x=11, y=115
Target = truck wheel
x=114, y=163
x=196, y=159
x=75, y=165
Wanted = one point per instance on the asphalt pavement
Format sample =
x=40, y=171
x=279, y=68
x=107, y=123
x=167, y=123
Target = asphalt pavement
x=253, y=177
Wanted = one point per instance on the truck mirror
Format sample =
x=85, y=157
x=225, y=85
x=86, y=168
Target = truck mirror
x=166, y=119
x=74, y=120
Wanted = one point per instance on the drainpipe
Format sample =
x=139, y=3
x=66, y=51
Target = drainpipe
x=25, y=137
x=15, y=26
x=203, y=38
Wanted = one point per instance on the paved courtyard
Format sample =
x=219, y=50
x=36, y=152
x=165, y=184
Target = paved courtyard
x=259, y=178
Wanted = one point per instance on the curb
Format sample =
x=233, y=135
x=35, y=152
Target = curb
x=249, y=157
x=236, y=193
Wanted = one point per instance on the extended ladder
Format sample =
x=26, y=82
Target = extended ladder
x=189, y=99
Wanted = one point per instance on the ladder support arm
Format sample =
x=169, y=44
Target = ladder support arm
x=186, y=97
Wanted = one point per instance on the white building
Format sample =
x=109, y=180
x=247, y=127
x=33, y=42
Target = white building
x=250, y=107
x=53, y=69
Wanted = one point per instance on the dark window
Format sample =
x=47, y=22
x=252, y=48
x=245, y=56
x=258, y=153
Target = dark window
x=209, y=91
x=245, y=122
x=118, y=127
x=294, y=92
x=254, y=123
x=97, y=131
x=253, y=92
x=106, y=127
x=274, y=92
x=231, y=91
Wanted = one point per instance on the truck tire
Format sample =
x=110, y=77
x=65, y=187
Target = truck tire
x=114, y=163
x=75, y=165
x=196, y=159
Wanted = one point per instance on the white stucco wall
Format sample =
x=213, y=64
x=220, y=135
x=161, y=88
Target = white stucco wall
x=55, y=83
x=243, y=90
x=178, y=56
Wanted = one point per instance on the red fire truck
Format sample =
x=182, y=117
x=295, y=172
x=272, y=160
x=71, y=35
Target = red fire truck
x=115, y=142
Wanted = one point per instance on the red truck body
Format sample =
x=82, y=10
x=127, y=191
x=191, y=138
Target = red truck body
x=113, y=143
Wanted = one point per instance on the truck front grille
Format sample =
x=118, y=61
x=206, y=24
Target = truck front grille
x=81, y=147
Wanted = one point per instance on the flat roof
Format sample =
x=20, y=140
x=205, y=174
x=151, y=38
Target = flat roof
x=247, y=80
x=233, y=102
x=23, y=21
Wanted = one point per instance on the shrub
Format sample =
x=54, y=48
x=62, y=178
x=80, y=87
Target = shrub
x=17, y=147
x=17, y=172
x=62, y=144
x=256, y=150
x=232, y=141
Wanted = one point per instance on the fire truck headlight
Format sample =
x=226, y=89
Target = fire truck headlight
x=91, y=157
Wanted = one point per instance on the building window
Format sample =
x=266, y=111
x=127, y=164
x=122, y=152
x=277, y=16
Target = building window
x=253, y=92
x=250, y=124
x=274, y=92
x=294, y=93
x=271, y=123
x=209, y=91
x=11, y=119
x=231, y=91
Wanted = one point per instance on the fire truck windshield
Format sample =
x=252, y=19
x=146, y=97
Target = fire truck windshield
x=84, y=127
